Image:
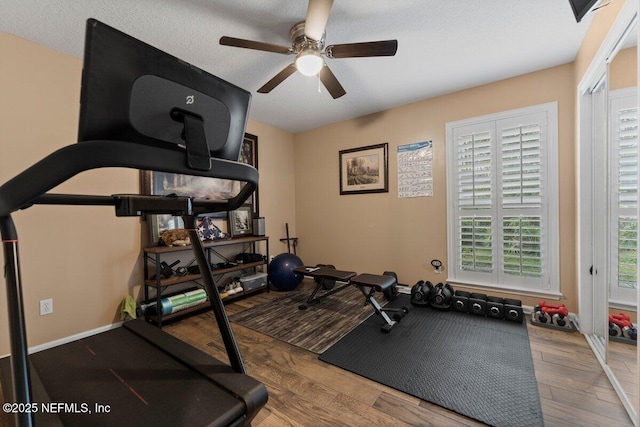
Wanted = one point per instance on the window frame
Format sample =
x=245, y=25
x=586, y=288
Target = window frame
x=549, y=284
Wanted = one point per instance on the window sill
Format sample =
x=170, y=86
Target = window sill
x=552, y=295
x=621, y=305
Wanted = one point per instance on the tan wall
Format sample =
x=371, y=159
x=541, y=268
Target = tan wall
x=85, y=258
x=276, y=165
x=377, y=232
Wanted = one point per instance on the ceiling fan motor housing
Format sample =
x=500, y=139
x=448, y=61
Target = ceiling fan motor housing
x=301, y=42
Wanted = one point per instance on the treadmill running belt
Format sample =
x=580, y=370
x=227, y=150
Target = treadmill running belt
x=116, y=378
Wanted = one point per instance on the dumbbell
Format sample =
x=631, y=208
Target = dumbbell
x=620, y=325
x=167, y=270
x=513, y=310
x=620, y=316
x=560, y=319
x=551, y=313
x=628, y=329
x=327, y=284
x=421, y=292
x=477, y=304
x=399, y=314
x=441, y=296
x=495, y=307
x=460, y=301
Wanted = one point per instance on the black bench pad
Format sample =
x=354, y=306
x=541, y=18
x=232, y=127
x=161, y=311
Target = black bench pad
x=378, y=282
x=326, y=273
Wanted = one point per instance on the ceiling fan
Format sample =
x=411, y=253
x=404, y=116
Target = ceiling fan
x=307, y=42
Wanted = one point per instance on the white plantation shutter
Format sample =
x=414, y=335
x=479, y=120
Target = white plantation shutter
x=627, y=148
x=521, y=176
x=474, y=170
x=627, y=241
x=503, y=196
x=522, y=245
x=624, y=190
x=476, y=243
x=522, y=141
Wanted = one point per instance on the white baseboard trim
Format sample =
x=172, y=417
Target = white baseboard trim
x=65, y=340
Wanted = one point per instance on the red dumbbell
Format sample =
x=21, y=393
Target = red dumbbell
x=621, y=326
x=544, y=305
x=551, y=313
x=620, y=316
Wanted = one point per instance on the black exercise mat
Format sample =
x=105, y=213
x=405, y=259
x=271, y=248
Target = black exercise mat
x=476, y=366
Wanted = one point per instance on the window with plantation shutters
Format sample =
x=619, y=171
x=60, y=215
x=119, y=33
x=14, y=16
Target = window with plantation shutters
x=503, y=202
x=623, y=161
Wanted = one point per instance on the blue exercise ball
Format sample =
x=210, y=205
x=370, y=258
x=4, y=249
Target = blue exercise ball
x=281, y=274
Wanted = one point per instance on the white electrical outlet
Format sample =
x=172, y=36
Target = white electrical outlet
x=46, y=306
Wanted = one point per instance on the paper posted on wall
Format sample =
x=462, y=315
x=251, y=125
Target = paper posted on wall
x=415, y=170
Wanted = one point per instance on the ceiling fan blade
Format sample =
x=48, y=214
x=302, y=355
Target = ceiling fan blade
x=332, y=84
x=277, y=79
x=366, y=49
x=317, y=17
x=250, y=44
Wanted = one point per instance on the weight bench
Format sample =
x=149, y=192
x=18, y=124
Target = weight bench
x=326, y=277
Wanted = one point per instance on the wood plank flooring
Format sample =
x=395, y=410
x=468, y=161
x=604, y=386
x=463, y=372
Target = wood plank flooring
x=303, y=391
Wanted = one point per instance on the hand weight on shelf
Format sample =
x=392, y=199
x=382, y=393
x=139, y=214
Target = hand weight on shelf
x=167, y=270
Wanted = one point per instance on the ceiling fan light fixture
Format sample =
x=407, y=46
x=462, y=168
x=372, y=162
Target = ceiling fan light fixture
x=309, y=63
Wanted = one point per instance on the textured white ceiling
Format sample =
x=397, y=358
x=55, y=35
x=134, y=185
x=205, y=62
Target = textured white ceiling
x=443, y=45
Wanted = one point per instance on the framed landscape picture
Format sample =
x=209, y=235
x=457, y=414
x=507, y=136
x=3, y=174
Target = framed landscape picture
x=365, y=169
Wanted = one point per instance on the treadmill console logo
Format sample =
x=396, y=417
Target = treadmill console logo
x=190, y=99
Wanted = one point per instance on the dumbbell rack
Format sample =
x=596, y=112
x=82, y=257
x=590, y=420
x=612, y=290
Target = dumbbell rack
x=552, y=316
x=569, y=328
x=483, y=305
x=622, y=330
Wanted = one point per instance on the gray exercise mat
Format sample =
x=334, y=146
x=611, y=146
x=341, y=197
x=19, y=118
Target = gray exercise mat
x=476, y=366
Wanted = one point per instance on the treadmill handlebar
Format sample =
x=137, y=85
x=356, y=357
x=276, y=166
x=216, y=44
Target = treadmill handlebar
x=26, y=188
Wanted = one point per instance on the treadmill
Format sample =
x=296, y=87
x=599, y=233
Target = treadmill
x=143, y=109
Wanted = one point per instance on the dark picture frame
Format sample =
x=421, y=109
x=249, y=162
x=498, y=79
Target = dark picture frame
x=163, y=183
x=249, y=155
x=241, y=222
x=365, y=169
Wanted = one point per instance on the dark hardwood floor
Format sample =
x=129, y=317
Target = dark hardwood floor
x=303, y=391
